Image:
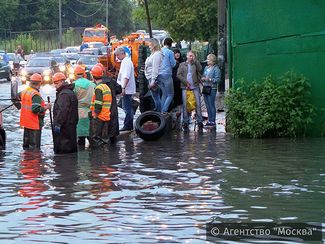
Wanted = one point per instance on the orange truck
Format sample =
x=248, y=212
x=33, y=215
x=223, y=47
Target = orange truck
x=99, y=33
x=132, y=42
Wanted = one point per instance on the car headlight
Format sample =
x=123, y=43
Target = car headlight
x=47, y=72
x=62, y=68
x=47, y=78
x=24, y=72
x=71, y=76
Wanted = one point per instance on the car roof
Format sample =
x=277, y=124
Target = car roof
x=42, y=57
x=94, y=43
x=87, y=55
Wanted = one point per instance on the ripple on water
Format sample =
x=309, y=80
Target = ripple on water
x=163, y=191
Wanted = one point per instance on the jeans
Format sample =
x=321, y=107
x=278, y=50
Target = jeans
x=128, y=109
x=197, y=109
x=167, y=88
x=156, y=98
x=210, y=103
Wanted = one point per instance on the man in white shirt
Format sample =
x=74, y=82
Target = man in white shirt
x=127, y=81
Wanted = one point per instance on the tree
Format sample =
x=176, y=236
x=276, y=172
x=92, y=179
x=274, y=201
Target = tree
x=183, y=19
x=28, y=15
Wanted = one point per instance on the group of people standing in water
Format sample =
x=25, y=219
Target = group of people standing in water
x=170, y=78
x=88, y=109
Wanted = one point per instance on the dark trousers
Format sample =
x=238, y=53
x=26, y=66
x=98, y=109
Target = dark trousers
x=32, y=139
x=98, y=132
x=82, y=140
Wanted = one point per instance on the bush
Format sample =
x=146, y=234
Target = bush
x=270, y=108
x=26, y=41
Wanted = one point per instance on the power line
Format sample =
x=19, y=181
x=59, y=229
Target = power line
x=87, y=16
x=20, y=4
x=100, y=2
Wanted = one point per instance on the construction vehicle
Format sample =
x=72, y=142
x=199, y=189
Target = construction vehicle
x=131, y=44
x=98, y=33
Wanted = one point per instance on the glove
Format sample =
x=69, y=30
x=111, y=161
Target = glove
x=57, y=130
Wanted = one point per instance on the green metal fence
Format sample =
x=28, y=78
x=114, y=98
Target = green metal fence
x=41, y=40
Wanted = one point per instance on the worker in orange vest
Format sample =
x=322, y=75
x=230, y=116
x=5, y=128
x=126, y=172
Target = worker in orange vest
x=100, y=110
x=32, y=113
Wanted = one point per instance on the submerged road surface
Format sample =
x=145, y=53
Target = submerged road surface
x=148, y=192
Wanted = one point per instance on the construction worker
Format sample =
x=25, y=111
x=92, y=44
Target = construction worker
x=84, y=89
x=100, y=110
x=65, y=116
x=113, y=130
x=32, y=113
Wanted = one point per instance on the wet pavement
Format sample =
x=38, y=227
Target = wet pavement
x=149, y=192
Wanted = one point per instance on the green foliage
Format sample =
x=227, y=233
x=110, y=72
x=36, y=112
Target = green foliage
x=270, y=108
x=184, y=19
x=29, y=15
x=26, y=41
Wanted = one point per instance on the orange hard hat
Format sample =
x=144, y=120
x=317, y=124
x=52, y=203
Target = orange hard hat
x=36, y=78
x=100, y=65
x=58, y=77
x=79, y=70
x=97, y=71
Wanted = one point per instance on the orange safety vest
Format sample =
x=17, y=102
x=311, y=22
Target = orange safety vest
x=105, y=113
x=28, y=119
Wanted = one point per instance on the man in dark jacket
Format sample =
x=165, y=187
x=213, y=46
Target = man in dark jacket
x=65, y=116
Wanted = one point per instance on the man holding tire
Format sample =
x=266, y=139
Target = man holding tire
x=127, y=81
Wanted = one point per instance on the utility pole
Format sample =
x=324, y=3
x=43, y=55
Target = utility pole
x=148, y=17
x=60, y=25
x=106, y=14
x=221, y=49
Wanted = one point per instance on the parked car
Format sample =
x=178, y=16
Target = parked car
x=95, y=44
x=88, y=61
x=11, y=60
x=92, y=51
x=57, y=51
x=72, y=57
x=72, y=49
x=104, y=49
x=46, y=66
x=5, y=71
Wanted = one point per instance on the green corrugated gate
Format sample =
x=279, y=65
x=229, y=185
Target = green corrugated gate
x=275, y=36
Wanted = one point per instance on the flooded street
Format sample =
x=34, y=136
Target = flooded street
x=147, y=192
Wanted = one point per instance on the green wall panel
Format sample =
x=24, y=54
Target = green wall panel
x=254, y=20
x=273, y=37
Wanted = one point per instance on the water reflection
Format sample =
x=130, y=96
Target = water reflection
x=164, y=191
x=32, y=182
x=64, y=182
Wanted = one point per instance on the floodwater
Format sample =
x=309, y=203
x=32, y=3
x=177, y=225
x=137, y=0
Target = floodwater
x=148, y=192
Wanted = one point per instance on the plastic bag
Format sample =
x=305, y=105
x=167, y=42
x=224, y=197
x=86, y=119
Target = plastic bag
x=190, y=101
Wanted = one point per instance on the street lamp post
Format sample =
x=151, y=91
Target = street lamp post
x=106, y=14
x=60, y=25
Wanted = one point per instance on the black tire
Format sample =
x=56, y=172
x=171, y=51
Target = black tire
x=150, y=135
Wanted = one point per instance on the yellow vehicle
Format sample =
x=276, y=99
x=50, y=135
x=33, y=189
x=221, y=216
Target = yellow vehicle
x=99, y=33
